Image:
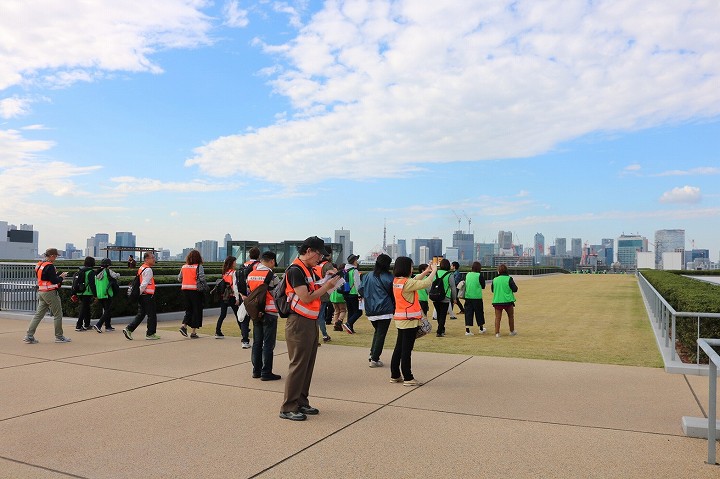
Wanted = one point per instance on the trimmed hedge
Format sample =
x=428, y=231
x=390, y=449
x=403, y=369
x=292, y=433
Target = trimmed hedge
x=688, y=295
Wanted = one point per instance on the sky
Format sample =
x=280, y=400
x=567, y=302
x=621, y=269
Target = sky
x=184, y=120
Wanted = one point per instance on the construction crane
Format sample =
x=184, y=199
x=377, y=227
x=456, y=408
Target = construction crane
x=458, y=218
x=469, y=221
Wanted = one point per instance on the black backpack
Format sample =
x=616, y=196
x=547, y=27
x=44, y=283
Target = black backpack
x=134, y=288
x=280, y=298
x=78, y=283
x=437, y=289
x=255, y=301
x=219, y=289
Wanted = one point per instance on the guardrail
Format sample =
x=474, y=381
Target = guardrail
x=665, y=316
x=707, y=346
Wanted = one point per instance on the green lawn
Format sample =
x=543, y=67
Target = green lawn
x=584, y=318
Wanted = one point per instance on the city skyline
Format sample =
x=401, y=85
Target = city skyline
x=182, y=121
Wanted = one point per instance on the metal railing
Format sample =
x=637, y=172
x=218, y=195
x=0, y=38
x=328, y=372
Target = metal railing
x=707, y=346
x=18, y=287
x=665, y=316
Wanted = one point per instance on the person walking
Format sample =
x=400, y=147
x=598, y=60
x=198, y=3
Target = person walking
x=264, y=328
x=376, y=288
x=321, y=270
x=442, y=305
x=457, y=277
x=474, y=284
x=230, y=296
x=407, y=317
x=48, y=281
x=337, y=299
x=504, y=289
x=301, y=332
x=352, y=299
x=106, y=288
x=86, y=295
x=193, y=286
x=146, y=300
x=131, y=262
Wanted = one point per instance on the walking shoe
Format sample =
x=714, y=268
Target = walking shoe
x=219, y=335
x=256, y=375
x=497, y=335
x=396, y=380
x=412, y=382
x=482, y=331
x=127, y=333
x=183, y=331
x=150, y=337
x=513, y=333
x=246, y=344
x=97, y=328
x=293, y=416
x=453, y=317
x=79, y=329
x=376, y=364
x=327, y=339
x=30, y=340
x=62, y=339
x=109, y=328
x=194, y=336
x=338, y=326
x=348, y=329
x=270, y=377
x=87, y=328
x=469, y=333
x=309, y=410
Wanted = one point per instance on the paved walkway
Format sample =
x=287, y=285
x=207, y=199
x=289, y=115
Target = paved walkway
x=105, y=407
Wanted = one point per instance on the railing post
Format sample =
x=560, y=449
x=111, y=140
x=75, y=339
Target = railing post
x=712, y=413
x=673, y=333
x=697, y=342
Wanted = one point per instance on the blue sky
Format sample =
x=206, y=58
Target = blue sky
x=183, y=120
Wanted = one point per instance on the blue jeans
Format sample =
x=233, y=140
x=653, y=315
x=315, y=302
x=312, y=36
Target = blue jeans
x=224, y=305
x=264, y=334
x=353, y=306
x=321, y=318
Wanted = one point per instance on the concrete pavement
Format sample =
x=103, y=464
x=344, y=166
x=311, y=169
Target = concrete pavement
x=105, y=407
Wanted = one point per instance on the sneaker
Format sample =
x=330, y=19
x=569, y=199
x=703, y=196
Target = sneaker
x=127, y=333
x=513, y=333
x=376, y=364
x=412, y=382
x=79, y=329
x=219, y=335
x=469, y=333
x=396, y=380
x=97, y=328
x=309, y=410
x=183, y=331
x=246, y=344
x=293, y=416
x=62, y=339
x=151, y=337
x=194, y=336
x=338, y=326
x=327, y=339
x=482, y=331
x=270, y=377
x=497, y=335
x=87, y=328
x=30, y=340
x=348, y=329
x=109, y=328
x=453, y=317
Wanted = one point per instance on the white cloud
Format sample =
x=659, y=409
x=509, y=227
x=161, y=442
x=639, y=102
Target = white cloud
x=235, y=16
x=379, y=88
x=13, y=107
x=634, y=167
x=36, y=126
x=58, y=43
x=131, y=184
x=686, y=194
x=700, y=171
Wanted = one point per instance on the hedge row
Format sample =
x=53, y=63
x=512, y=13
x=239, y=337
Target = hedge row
x=688, y=295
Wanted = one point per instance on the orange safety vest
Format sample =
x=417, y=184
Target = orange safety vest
x=255, y=279
x=150, y=289
x=317, y=269
x=309, y=310
x=189, y=277
x=228, y=276
x=42, y=284
x=404, y=310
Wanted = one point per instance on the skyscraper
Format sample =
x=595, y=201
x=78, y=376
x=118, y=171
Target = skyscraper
x=342, y=236
x=560, y=246
x=608, y=250
x=402, y=247
x=465, y=243
x=505, y=241
x=576, y=247
x=208, y=249
x=668, y=241
x=539, y=247
x=628, y=247
x=123, y=238
x=434, y=246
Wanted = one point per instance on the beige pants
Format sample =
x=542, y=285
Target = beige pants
x=301, y=336
x=47, y=300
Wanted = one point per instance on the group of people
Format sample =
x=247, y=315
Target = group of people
x=312, y=285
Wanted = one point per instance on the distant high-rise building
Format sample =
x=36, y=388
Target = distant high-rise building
x=123, y=238
x=668, y=241
x=576, y=247
x=628, y=247
x=208, y=249
x=539, y=247
x=484, y=252
x=560, y=247
x=551, y=250
x=608, y=250
x=464, y=242
x=95, y=245
x=424, y=255
x=18, y=244
x=402, y=247
x=505, y=242
x=342, y=236
x=434, y=246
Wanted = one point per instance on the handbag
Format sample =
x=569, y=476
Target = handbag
x=424, y=328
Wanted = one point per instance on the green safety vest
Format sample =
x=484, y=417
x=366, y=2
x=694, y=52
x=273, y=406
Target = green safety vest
x=337, y=297
x=446, y=281
x=501, y=290
x=102, y=286
x=88, y=291
x=472, y=286
x=422, y=293
x=351, y=280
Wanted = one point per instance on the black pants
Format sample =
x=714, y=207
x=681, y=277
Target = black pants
x=401, y=358
x=442, y=309
x=84, y=313
x=378, y=342
x=329, y=312
x=424, y=306
x=146, y=307
x=264, y=334
x=474, y=307
x=460, y=305
x=106, y=303
x=353, y=306
x=224, y=305
x=193, y=308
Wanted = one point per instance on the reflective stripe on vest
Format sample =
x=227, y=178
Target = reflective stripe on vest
x=189, y=277
x=309, y=310
x=150, y=289
x=404, y=310
x=44, y=285
x=256, y=278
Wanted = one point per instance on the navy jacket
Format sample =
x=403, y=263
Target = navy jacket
x=377, y=294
